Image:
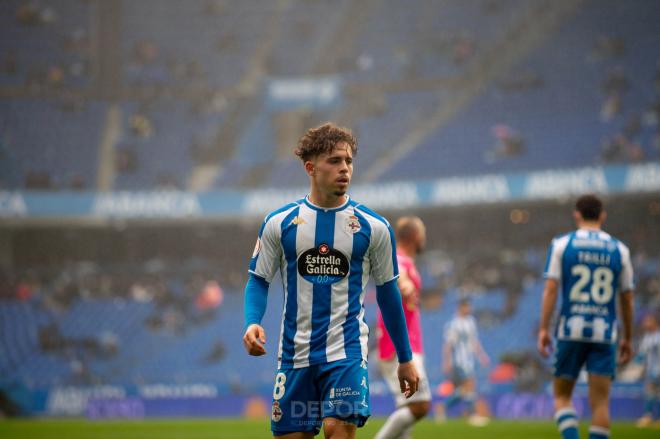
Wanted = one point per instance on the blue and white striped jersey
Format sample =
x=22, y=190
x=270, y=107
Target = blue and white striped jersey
x=461, y=334
x=591, y=267
x=325, y=257
x=650, y=349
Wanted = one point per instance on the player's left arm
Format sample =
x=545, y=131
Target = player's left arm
x=626, y=298
x=552, y=274
x=484, y=359
x=627, y=309
x=385, y=272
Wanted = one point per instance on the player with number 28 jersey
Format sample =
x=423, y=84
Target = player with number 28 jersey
x=593, y=272
x=591, y=267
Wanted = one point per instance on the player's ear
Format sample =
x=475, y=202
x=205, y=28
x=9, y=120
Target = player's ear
x=576, y=216
x=309, y=168
x=602, y=217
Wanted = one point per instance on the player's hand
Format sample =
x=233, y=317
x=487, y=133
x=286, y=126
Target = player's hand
x=446, y=367
x=408, y=378
x=254, y=340
x=625, y=351
x=544, y=343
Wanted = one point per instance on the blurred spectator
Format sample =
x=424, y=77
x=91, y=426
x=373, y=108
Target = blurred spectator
x=77, y=183
x=210, y=297
x=55, y=76
x=522, y=81
x=216, y=353
x=509, y=143
x=611, y=107
x=464, y=48
x=616, y=82
x=141, y=125
x=10, y=63
x=126, y=160
x=607, y=47
x=38, y=180
x=621, y=149
x=145, y=52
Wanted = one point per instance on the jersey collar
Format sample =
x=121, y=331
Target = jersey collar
x=327, y=209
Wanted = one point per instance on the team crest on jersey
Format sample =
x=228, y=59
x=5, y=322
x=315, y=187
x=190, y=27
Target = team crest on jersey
x=298, y=221
x=322, y=265
x=257, y=248
x=277, y=412
x=353, y=224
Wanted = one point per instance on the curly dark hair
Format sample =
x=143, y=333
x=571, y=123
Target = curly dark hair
x=323, y=139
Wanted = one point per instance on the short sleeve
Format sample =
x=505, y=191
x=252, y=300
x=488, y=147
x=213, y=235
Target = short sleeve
x=553, y=261
x=267, y=252
x=382, y=254
x=450, y=333
x=626, y=282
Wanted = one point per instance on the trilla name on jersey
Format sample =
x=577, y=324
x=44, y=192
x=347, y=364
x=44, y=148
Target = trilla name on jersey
x=591, y=267
x=325, y=257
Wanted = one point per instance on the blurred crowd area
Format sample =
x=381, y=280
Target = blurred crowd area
x=189, y=84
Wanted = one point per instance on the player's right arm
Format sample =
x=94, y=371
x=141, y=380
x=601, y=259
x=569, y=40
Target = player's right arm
x=256, y=294
x=544, y=342
x=263, y=265
x=552, y=275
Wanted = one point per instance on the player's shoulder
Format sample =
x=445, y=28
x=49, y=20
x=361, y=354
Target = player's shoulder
x=620, y=245
x=282, y=211
x=369, y=213
x=563, y=238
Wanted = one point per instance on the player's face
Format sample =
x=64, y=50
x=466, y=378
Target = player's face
x=464, y=309
x=332, y=172
x=649, y=324
x=421, y=239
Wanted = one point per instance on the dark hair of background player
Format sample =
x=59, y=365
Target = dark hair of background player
x=589, y=206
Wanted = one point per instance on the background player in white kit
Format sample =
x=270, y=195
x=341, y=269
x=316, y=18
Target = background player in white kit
x=410, y=241
x=593, y=269
x=461, y=350
x=649, y=351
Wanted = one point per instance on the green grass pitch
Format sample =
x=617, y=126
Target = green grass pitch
x=245, y=429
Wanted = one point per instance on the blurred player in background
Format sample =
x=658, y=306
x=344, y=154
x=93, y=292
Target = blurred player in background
x=326, y=246
x=593, y=270
x=410, y=240
x=461, y=350
x=649, y=350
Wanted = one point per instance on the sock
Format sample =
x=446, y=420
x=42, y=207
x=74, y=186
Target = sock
x=470, y=399
x=453, y=399
x=596, y=432
x=407, y=434
x=567, y=423
x=396, y=424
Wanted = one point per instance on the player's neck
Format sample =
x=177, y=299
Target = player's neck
x=589, y=225
x=328, y=201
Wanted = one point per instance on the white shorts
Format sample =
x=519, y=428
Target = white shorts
x=388, y=370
